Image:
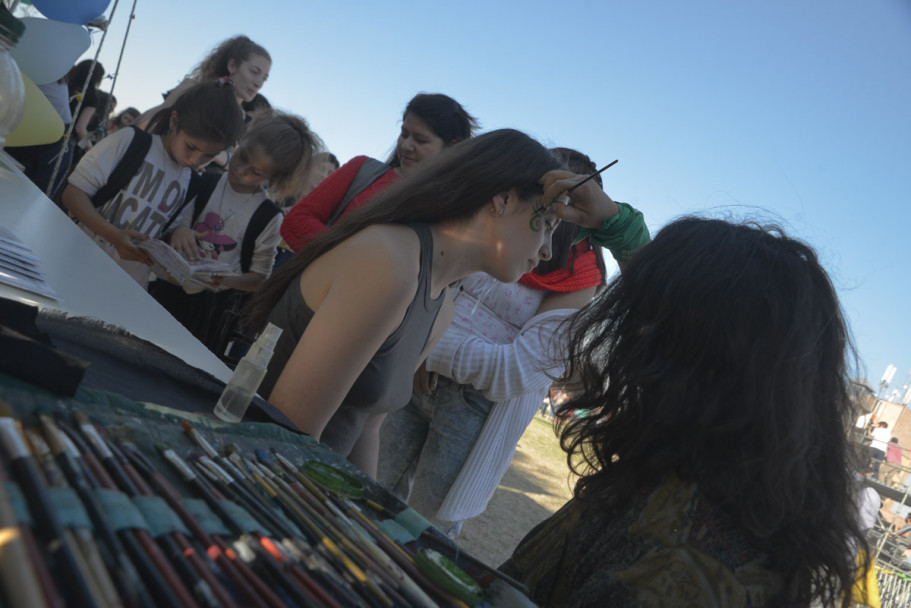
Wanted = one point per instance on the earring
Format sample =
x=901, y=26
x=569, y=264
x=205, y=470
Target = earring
x=493, y=212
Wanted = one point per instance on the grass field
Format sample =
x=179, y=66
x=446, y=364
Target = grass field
x=537, y=483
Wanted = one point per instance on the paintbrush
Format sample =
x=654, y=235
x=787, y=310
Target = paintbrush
x=195, y=571
x=351, y=538
x=350, y=557
x=326, y=550
x=126, y=578
x=154, y=588
x=259, y=547
x=313, y=558
x=95, y=566
x=17, y=571
x=26, y=473
x=229, y=485
x=249, y=585
x=256, y=506
x=592, y=175
x=416, y=584
x=296, y=547
x=236, y=479
x=142, y=547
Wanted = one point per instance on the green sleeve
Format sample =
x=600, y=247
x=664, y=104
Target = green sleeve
x=622, y=234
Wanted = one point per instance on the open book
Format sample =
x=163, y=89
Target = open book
x=170, y=266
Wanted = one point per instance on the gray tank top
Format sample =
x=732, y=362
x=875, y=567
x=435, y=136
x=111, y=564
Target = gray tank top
x=386, y=383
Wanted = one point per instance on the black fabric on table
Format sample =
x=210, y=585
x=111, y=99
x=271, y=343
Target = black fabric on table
x=122, y=363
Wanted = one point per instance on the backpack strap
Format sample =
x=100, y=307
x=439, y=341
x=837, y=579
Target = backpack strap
x=258, y=221
x=202, y=190
x=126, y=167
x=370, y=171
x=199, y=191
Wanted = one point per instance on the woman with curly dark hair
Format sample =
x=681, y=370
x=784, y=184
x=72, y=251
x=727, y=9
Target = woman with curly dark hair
x=715, y=465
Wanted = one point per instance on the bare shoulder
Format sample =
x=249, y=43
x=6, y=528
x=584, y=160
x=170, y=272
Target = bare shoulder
x=380, y=263
x=388, y=246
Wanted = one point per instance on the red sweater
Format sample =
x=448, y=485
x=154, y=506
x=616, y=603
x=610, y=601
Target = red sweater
x=585, y=273
x=308, y=218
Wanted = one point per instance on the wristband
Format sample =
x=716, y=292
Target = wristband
x=621, y=234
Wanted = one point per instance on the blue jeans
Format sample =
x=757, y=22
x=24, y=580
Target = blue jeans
x=424, y=445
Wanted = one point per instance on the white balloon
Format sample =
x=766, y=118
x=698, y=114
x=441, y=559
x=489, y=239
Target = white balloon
x=48, y=48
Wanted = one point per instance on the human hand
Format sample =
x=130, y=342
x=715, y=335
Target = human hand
x=425, y=382
x=122, y=241
x=588, y=205
x=183, y=240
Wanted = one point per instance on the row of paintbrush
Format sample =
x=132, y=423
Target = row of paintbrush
x=304, y=547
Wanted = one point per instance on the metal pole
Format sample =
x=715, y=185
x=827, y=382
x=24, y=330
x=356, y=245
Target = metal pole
x=85, y=86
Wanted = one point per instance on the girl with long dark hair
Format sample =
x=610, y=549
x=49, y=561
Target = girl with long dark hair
x=359, y=306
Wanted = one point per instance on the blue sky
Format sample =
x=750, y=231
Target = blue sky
x=793, y=111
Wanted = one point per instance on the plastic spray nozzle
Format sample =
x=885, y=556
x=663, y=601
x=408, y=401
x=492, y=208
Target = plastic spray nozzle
x=261, y=351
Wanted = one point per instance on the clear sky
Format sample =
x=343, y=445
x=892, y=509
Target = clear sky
x=793, y=111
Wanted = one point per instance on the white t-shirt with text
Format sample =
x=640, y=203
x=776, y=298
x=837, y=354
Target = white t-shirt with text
x=152, y=197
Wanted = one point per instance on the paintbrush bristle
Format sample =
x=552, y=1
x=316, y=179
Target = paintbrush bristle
x=81, y=418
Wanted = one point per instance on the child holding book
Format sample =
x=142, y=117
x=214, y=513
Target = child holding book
x=234, y=221
x=132, y=185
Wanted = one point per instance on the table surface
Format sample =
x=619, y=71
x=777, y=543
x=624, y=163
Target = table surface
x=89, y=283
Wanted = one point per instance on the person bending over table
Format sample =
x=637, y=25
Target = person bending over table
x=359, y=306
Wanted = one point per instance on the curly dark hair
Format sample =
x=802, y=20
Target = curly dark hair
x=720, y=355
x=215, y=65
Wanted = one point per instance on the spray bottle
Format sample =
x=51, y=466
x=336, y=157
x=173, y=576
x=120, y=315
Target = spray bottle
x=236, y=398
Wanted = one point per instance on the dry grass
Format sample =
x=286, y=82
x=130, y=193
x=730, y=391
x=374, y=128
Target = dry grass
x=536, y=485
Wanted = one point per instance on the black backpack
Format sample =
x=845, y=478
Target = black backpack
x=200, y=191
x=127, y=168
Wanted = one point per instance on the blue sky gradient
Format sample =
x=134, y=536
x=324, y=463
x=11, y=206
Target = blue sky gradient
x=794, y=112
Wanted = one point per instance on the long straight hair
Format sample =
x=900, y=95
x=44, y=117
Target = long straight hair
x=450, y=186
x=719, y=355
